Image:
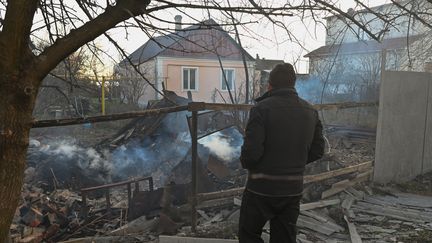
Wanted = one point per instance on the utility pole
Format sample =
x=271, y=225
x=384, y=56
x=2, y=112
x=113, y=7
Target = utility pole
x=103, y=95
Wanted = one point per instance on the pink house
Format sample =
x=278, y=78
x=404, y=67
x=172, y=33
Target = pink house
x=191, y=61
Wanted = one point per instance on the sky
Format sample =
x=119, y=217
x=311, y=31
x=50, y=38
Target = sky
x=262, y=39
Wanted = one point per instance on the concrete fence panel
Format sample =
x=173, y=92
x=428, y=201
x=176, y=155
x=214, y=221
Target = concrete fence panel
x=403, y=129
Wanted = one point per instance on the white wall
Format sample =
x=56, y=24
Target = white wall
x=338, y=32
x=404, y=144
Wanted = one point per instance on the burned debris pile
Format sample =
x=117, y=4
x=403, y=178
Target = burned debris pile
x=53, y=207
x=136, y=186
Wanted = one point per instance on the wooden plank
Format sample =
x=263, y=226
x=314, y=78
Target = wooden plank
x=122, y=183
x=319, y=204
x=355, y=237
x=330, y=106
x=324, y=219
x=196, y=106
x=347, y=203
x=360, y=178
x=415, y=215
x=357, y=194
x=220, y=194
x=112, y=117
x=215, y=203
x=343, y=171
x=315, y=225
x=307, y=179
x=177, y=239
x=139, y=225
x=103, y=239
x=394, y=212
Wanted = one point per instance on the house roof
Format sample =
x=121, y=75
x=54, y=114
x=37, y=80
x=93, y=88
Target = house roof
x=363, y=46
x=364, y=10
x=182, y=43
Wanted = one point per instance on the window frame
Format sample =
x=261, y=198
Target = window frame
x=196, y=78
x=222, y=79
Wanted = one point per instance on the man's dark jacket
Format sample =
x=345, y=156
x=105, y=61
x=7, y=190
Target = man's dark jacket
x=283, y=134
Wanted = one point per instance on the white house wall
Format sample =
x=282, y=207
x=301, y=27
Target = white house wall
x=420, y=54
x=337, y=31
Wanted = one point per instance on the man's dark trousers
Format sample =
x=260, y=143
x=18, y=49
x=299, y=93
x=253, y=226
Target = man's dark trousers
x=256, y=210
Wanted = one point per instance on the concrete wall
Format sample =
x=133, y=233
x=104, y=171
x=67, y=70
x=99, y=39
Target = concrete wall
x=359, y=116
x=403, y=148
x=427, y=156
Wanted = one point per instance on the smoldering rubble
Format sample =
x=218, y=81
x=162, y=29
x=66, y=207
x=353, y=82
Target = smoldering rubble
x=77, y=193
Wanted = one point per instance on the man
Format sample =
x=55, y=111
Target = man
x=283, y=134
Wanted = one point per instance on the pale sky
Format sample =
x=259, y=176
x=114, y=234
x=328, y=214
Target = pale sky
x=272, y=44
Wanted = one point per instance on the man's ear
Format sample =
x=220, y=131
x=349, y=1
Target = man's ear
x=269, y=87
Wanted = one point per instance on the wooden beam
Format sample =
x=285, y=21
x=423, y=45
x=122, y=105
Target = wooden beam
x=343, y=171
x=330, y=106
x=122, y=183
x=220, y=194
x=341, y=187
x=355, y=237
x=307, y=179
x=112, y=117
x=194, y=106
x=216, y=203
x=319, y=204
x=179, y=239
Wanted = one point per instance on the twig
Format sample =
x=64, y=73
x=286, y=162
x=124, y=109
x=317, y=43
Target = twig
x=56, y=183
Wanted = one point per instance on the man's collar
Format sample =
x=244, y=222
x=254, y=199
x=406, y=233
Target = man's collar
x=277, y=92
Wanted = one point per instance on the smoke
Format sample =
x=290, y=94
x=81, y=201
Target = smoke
x=226, y=145
x=155, y=154
x=310, y=89
x=63, y=149
x=72, y=165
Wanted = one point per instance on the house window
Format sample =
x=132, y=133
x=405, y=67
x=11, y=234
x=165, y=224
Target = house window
x=229, y=74
x=190, y=78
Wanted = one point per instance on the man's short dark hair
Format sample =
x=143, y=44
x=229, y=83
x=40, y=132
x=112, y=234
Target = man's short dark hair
x=282, y=76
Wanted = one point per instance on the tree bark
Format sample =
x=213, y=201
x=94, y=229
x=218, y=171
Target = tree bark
x=16, y=104
x=21, y=76
x=18, y=91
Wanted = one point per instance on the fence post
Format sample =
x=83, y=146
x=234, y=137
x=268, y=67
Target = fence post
x=194, y=137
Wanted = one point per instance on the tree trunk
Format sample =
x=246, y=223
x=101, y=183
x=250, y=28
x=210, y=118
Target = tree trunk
x=17, y=96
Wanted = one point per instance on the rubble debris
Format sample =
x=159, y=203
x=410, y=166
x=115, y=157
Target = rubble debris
x=176, y=239
x=355, y=237
x=319, y=204
x=317, y=225
x=140, y=225
x=110, y=239
x=338, y=187
x=51, y=214
x=351, y=134
x=343, y=171
x=217, y=167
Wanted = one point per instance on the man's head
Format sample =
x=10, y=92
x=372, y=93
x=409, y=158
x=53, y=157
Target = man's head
x=282, y=76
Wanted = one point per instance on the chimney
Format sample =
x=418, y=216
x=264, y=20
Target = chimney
x=178, y=23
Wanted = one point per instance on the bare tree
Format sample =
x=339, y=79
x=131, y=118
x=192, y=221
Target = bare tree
x=67, y=83
x=132, y=86
x=73, y=24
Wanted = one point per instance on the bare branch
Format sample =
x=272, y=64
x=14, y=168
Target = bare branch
x=16, y=29
x=89, y=31
x=416, y=16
